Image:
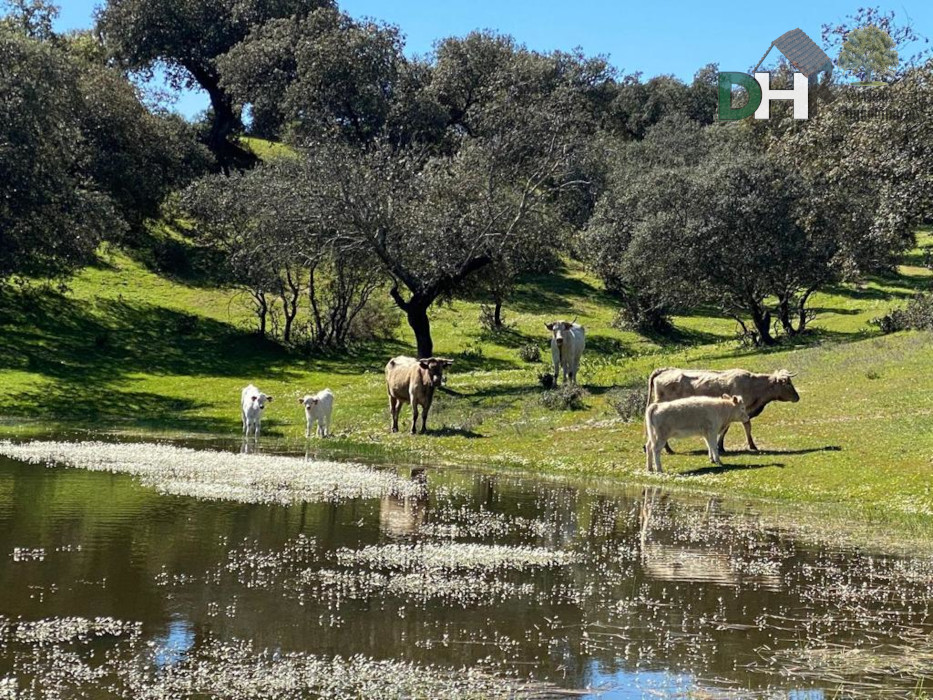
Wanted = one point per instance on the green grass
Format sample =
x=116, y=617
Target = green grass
x=127, y=350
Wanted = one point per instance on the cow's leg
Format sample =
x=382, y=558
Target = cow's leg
x=667, y=448
x=710, y=452
x=307, y=428
x=245, y=424
x=424, y=419
x=414, y=418
x=750, y=443
x=656, y=457
x=711, y=440
x=649, y=455
x=721, y=443
x=394, y=408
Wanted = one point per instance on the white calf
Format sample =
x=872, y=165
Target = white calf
x=697, y=415
x=318, y=408
x=252, y=401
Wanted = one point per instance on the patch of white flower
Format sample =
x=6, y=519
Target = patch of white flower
x=452, y=555
x=55, y=630
x=235, y=670
x=26, y=554
x=421, y=586
x=220, y=475
x=8, y=686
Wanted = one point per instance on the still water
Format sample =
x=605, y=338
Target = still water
x=607, y=591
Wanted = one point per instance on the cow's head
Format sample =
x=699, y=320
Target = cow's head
x=434, y=366
x=260, y=400
x=558, y=329
x=738, y=414
x=309, y=401
x=783, y=386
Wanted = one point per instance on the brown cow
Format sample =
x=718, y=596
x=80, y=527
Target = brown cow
x=757, y=390
x=413, y=381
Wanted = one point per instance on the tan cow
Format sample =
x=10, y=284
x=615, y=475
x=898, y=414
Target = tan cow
x=413, y=381
x=696, y=415
x=757, y=390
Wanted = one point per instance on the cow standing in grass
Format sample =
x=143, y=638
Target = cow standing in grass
x=413, y=381
x=253, y=402
x=697, y=415
x=318, y=407
x=757, y=391
x=568, y=339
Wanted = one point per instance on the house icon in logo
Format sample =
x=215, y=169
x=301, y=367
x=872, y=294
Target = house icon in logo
x=803, y=53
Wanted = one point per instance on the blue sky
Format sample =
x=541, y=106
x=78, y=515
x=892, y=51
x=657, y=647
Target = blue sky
x=676, y=37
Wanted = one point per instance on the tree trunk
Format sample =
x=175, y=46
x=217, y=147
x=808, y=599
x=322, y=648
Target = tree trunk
x=497, y=314
x=416, y=310
x=762, y=321
x=421, y=325
x=226, y=122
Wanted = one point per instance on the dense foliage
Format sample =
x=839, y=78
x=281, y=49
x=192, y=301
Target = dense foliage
x=408, y=181
x=81, y=158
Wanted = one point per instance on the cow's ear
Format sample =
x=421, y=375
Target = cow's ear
x=549, y=326
x=269, y=399
x=736, y=400
x=425, y=364
x=301, y=400
x=448, y=363
x=567, y=326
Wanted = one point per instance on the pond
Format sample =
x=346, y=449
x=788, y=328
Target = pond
x=434, y=583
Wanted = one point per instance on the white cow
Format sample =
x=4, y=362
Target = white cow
x=318, y=407
x=567, y=342
x=253, y=401
x=697, y=415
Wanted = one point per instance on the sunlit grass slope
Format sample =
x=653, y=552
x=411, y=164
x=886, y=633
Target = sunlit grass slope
x=125, y=349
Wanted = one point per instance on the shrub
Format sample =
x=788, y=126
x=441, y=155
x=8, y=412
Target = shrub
x=916, y=316
x=653, y=322
x=567, y=397
x=529, y=353
x=629, y=402
x=546, y=379
x=377, y=320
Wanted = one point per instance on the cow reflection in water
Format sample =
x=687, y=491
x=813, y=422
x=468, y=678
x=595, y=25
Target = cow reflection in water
x=665, y=559
x=404, y=517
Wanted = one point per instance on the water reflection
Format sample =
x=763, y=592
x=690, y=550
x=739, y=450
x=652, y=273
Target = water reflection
x=629, y=591
x=664, y=559
x=401, y=516
x=174, y=645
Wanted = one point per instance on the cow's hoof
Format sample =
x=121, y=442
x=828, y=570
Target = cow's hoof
x=753, y=448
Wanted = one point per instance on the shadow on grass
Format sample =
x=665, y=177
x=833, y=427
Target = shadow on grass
x=448, y=431
x=97, y=407
x=723, y=468
x=554, y=294
x=778, y=453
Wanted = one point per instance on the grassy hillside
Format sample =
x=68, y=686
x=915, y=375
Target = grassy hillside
x=127, y=350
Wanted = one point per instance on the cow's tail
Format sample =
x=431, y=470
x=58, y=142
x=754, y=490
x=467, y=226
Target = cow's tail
x=652, y=394
x=649, y=412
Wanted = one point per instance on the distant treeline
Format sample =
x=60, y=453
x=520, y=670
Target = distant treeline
x=407, y=181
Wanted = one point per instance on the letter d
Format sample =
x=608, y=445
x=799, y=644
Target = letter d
x=726, y=111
